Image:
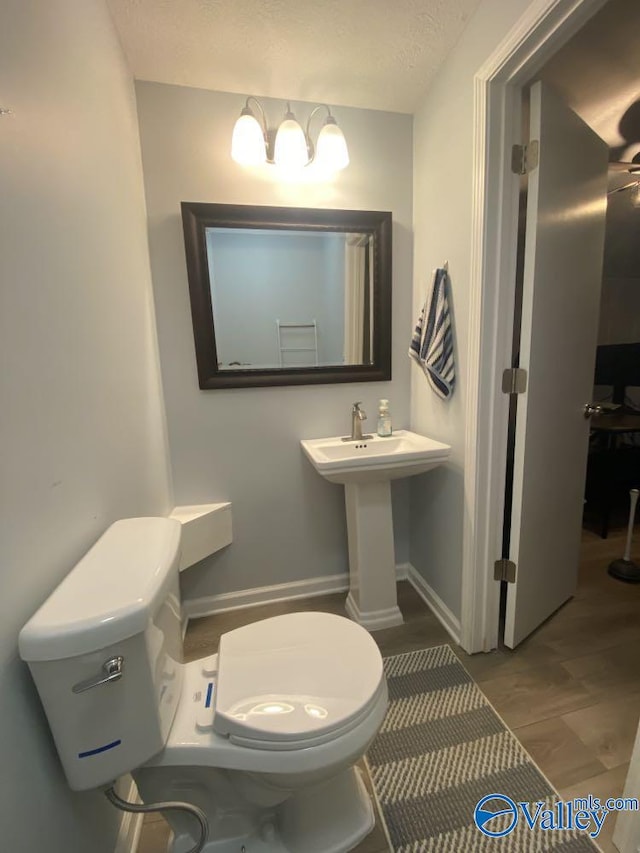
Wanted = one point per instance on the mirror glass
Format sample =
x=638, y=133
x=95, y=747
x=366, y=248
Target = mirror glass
x=285, y=299
x=288, y=295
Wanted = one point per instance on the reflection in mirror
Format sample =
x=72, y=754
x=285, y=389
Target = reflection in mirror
x=294, y=298
x=283, y=296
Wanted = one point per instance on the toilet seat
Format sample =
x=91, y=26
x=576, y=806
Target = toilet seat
x=193, y=742
x=295, y=681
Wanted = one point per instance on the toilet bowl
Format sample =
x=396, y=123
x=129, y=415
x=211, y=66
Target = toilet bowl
x=263, y=737
x=267, y=734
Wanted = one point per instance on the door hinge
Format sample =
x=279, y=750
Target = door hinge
x=514, y=380
x=524, y=158
x=504, y=570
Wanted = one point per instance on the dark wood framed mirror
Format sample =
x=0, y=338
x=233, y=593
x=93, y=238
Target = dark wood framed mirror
x=287, y=295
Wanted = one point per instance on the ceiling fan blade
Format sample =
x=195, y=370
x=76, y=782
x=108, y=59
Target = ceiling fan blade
x=617, y=166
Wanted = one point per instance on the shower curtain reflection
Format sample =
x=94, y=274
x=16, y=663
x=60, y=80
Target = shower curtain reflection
x=357, y=300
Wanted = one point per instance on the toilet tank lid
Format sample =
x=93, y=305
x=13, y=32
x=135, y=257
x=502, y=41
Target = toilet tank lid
x=110, y=594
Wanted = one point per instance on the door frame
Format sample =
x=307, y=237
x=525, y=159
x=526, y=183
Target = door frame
x=541, y=31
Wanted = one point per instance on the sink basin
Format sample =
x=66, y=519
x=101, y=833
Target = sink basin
x=375, y=459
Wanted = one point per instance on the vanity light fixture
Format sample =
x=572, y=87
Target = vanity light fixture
x=331, y=147
x=292, y=146
x=250, y=140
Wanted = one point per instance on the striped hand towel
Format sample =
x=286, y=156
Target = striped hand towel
x=432, y=341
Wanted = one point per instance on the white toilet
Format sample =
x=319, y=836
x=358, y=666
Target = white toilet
x=263, y=736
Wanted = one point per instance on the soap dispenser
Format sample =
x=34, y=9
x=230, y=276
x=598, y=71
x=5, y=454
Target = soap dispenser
x=384, y=419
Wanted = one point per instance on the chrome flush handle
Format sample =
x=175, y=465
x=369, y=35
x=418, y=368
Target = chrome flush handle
x=112, y=670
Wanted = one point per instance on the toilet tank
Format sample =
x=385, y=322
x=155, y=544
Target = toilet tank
x=114, y=619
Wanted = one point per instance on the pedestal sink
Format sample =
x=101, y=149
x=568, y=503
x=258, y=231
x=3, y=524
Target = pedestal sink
x=365, y=468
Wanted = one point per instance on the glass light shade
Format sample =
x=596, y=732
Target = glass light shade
x=291, y=145
x=247, y=143
x=331, y=148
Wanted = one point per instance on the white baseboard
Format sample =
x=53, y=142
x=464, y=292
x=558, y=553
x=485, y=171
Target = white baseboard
x=195, y=608
x=402, y=571
x=130, y=825
x=449, y=621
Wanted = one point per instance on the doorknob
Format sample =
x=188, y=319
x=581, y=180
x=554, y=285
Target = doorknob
x=591, y=409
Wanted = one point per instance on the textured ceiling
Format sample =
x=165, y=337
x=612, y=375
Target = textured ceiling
x=376, y=54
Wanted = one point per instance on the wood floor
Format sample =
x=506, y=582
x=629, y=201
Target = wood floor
x=570, y=693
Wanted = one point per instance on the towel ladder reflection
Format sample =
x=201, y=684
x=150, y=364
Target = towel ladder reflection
x=297, y=332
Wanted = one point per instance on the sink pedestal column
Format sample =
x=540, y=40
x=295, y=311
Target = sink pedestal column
x=372, y=599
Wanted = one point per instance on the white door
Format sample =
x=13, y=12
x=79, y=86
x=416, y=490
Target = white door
x=566, y=208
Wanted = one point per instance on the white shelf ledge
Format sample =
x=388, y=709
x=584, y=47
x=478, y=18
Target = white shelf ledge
x=206, y=528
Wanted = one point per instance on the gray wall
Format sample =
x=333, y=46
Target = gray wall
x=619, y=310
x=620, y=299
x=443, y=191
x=81, y=415
x=243, y=445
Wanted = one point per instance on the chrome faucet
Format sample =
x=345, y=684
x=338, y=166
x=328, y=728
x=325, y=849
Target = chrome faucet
x=357, y=416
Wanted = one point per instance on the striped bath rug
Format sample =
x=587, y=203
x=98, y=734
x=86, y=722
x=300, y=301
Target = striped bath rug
x=441, y=750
